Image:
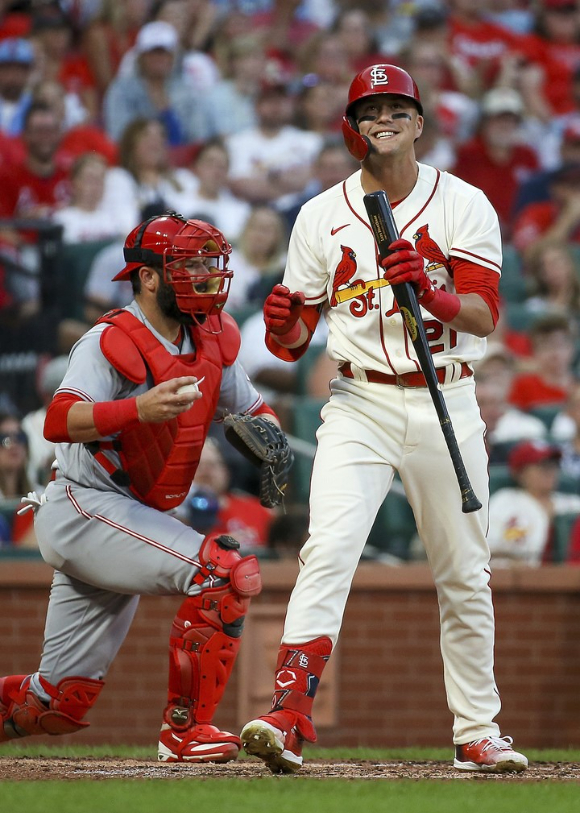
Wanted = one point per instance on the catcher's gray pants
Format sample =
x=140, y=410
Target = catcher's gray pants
x=107, y=549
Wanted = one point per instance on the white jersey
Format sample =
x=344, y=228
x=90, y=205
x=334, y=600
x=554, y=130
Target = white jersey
x=92, y=378
x=332, y=260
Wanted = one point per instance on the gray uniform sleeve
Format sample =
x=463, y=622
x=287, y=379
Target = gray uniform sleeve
x=237, y=393
x=90, y=376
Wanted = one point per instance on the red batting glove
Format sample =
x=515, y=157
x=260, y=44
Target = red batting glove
x=282, y=310
x=406, y=265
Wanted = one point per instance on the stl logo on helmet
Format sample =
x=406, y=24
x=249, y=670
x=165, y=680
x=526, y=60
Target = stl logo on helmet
x=378, y=76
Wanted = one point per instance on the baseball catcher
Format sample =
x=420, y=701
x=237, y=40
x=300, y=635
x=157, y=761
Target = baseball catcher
x=130, y=419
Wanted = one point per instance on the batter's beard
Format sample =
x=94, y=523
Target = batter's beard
x=167, y=303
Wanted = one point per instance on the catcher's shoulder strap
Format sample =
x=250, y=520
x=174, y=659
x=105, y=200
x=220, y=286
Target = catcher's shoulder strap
x=118, y=347
x=229, y=339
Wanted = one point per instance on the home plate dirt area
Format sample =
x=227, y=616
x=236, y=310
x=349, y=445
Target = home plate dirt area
x=28, y=768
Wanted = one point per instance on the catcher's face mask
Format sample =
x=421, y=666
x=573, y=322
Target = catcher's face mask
x=193, y=258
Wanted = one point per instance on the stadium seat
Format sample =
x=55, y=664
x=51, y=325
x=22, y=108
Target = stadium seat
x=561, y=540
x=76, y=260
x=546, y=413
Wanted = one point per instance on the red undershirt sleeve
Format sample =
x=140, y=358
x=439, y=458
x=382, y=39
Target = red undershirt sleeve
x=471, y=278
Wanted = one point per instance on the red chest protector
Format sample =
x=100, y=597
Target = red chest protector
x=160, y=459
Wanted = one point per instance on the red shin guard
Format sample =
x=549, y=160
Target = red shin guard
x=24, y=714
x=205, y=637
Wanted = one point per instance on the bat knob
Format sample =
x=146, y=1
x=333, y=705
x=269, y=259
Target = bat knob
x=470, y=504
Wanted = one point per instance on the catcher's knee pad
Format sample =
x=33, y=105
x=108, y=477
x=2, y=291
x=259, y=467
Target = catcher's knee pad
x=298, y=671
x=206, y=632
x=24, y=713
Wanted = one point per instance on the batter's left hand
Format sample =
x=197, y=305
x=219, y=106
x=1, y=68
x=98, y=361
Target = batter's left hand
x=406, y=265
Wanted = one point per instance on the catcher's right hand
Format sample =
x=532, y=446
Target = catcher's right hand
x=282, y=309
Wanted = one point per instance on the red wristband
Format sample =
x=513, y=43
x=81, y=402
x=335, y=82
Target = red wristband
x=290, y=337
x=442, y=305
x=111, y=417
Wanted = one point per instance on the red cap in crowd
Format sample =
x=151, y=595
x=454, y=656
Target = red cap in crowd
x=532, y=451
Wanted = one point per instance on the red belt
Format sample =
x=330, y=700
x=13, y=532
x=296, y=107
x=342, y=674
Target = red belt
x=405, y=379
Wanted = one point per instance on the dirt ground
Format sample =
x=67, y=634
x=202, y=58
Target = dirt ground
x=27, y=769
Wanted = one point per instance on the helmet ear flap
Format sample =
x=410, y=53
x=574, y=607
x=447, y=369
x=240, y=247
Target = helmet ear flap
x=357, y=144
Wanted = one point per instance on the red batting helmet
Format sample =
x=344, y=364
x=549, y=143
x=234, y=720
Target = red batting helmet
x=374, y=80
x=172, y=244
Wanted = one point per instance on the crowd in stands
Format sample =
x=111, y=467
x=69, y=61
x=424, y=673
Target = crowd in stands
x=230, y=111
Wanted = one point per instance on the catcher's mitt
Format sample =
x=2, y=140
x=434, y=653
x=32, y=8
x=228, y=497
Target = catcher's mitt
x=265, y=445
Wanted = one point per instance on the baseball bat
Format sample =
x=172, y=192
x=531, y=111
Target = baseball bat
x=386, y=232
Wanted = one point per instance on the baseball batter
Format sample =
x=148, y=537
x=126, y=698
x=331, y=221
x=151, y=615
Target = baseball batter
x=380, y=418
x=130, y=419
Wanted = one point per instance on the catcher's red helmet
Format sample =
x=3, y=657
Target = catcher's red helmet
x=174, y=244
x=374, y=80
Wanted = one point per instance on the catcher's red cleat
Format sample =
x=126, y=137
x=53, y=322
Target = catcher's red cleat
x=490, y=754
x=202, y=743
x=275, y=739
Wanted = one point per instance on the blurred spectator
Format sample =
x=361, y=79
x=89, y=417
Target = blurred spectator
x=58, y=57
x=288, y=533
x=16, y=63
x=110, y=35
x=505, y=424
x=286, y=29
x=566, y=430
x=259, y=258
x=455, y=113
x=36, y=186
x=434, y=148
x=238, y=514
x=554, y=275
x=521, y=518
x=243, y=66
x=275, y=158
x=495, y=160
x=195, y=24
x=33, y=187
x=490, y=54
x=14, y=482
x=40, y=450
x=317, y=110
x=212, y=197
x=332, y=165
x=156, y=90
x=357, y=35
x=553, y=346
x=145, y=182
x=558, y=30
x=101, y=294
x=87, y=217
x=537, y=187
x=78, y=135
x=325, y=61
x=557, y=219
x=14, y=22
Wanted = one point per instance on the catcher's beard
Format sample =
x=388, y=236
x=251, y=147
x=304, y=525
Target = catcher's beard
x=167, y=303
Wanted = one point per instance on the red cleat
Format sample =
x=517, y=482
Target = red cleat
x=202, y=743
x=490, y=754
